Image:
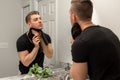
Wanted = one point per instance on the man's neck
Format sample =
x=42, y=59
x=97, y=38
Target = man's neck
x=85, y=24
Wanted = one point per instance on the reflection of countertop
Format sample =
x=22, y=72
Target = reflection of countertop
x=58, y=74
x=17, y=77
x=26, y=77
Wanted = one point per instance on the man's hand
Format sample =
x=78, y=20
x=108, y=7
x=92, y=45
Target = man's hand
x=71, y=41
x=36, y=41
x=75, y=30
x=36, y=38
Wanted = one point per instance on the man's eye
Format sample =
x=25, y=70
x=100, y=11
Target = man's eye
x=40, y=18
x=35, y=19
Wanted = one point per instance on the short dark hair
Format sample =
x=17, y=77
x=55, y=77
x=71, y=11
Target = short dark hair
x=83, y=9
x=28, y=17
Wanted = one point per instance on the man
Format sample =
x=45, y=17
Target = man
x=96, y=50
x=31, y=45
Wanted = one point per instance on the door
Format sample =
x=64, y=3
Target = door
x=47, y=9
x=25, y=11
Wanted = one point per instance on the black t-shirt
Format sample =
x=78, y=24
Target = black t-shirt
x=23, y=43
x=100, y=48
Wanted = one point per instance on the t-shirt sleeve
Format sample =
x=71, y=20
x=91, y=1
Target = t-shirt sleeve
x=80, y=52
x=20, y=45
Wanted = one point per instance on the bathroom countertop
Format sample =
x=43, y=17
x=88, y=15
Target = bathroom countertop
x=58, y=74
x=26, y=77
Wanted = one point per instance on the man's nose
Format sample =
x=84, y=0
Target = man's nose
x=39, y=20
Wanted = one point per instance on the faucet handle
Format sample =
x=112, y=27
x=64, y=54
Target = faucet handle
x=67, y=68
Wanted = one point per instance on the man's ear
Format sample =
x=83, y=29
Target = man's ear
x=73, y=18
x=29, y=24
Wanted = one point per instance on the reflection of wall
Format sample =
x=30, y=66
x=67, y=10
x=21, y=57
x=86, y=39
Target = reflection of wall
x=63, y=31
x=10, y=29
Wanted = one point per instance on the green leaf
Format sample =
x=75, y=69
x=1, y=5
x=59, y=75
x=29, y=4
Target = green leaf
x=39, y=71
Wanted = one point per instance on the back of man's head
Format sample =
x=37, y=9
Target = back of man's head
x=82, y=8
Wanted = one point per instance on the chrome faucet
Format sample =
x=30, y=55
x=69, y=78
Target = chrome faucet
x=67, y=68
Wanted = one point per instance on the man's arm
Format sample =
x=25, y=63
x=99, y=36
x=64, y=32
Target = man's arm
x=72, y=41
x=79, y=71
x=26, y=58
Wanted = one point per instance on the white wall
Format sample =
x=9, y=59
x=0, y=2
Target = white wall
x=10, y=29
x=63, y=33
x=106, y=13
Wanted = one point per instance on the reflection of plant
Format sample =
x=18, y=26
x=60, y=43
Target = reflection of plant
x=39, y=71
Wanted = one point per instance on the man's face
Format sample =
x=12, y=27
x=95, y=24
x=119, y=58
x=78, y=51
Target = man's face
x=36, y=22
